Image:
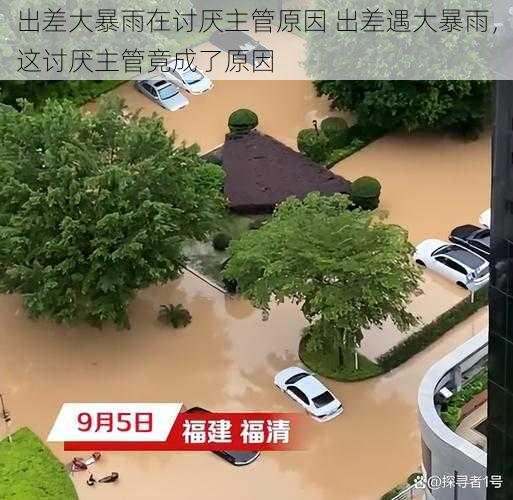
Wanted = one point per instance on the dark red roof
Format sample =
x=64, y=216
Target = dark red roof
x=262, y=172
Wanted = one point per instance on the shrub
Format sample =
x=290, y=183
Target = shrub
x=418, y=341
x=452, y=416
x=176, y=316
x=313, y=144
x=221, y=241
x=242, y=121
x=335, y=130
x=365, y=193
x=413, y=478
x=213, y=159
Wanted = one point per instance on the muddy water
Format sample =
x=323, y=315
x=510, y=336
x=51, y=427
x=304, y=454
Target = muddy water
x=430, y=183
x=224, y=360
x=283, y=108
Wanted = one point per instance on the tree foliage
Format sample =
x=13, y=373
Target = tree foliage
x=94, y=207
x=347, y=269
x=459, y=105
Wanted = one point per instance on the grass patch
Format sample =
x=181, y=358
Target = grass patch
x=29, y=470
x=201, y=254
x=418, y=341
x=327, y=364
x=452, y=416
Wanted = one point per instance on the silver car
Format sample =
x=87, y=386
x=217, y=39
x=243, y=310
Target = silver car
x=163, y=93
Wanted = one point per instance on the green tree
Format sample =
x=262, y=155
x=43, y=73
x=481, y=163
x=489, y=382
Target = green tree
x=457, y=105
x=347, y=269
x=94, y=207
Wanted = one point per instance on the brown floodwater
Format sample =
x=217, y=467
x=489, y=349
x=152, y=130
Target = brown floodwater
x=430, y=183
x=224, y=360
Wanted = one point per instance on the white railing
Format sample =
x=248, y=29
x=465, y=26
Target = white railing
x=412, y=492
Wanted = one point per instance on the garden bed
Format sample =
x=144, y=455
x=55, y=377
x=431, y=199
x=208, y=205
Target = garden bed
x=327, y=364
x=28, y=469
x=204, y=258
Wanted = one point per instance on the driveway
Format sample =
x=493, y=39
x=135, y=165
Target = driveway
x=224, y=360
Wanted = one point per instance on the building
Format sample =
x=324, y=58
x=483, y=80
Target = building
x=464, y=453
x=500, y=387
x=454, y=460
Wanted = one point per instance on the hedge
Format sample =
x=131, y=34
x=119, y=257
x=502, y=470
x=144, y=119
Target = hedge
x=418, y=341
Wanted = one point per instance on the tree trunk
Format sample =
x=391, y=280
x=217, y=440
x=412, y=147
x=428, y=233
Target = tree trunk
x=356, y=360
x=340, y=357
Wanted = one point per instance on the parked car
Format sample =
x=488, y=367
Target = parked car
x=164, y=93
x=188, y=77
x=311, y=394
x=234, y=457
x=472, y=237
x=485, y=218
x=463, y=267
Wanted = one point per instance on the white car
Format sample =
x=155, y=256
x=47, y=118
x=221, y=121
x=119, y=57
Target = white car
x=485, y=218
x=463, y=267
x=188, y=77
x=164, y=93
x=313, y=396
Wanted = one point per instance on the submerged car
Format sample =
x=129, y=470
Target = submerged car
x=236, y=40
x=164, y=93
x=485, y=218
x=463, y=267
x=234, y=457
x=472, y=237
x=188, y=77
x=309, y=392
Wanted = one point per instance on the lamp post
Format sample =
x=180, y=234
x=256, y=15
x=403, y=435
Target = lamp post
x=316, y=126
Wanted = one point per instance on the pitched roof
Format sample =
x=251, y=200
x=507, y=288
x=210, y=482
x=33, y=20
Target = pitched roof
x=262, y=172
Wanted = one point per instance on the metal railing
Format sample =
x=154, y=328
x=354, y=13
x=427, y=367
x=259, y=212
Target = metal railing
x=412, y=492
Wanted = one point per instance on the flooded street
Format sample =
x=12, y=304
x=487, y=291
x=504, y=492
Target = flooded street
x=227, y=357
x=283, y=109
x=225, y=360
x=430, y=183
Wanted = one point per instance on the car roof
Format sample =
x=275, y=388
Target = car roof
x=159, y=84
x=310, y=386
x=464, y=256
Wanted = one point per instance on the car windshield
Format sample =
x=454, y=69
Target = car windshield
x=168, y=92
x=296, y=377
x=191, y=77
x=467, y=258
x=323, y=399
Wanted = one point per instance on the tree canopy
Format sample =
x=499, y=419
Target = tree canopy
x=96, y=206
x=458, y=105
x=347, y=269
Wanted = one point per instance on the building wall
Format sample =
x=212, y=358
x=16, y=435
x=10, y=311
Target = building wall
x=500, y=388
x=445, y=455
